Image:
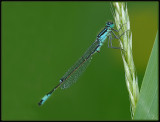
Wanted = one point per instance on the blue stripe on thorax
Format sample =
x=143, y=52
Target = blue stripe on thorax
x=102, y=36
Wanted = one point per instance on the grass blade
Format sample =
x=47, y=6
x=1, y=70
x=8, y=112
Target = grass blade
x=147, y=106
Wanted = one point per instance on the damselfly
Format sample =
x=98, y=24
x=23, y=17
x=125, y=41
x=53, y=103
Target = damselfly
x=79, y=67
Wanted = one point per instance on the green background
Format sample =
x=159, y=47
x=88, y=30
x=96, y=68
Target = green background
x=41, y=40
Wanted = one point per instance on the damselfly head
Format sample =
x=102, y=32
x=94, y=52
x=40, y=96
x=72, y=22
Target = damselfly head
x=110, y=24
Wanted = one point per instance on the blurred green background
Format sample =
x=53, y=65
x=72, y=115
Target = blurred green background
x=41, y=40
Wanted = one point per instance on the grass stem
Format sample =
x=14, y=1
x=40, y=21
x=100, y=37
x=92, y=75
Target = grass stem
x=122, y=19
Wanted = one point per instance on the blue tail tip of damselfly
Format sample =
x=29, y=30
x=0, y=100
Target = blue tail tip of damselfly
x=44, y=99
x=40, y=103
